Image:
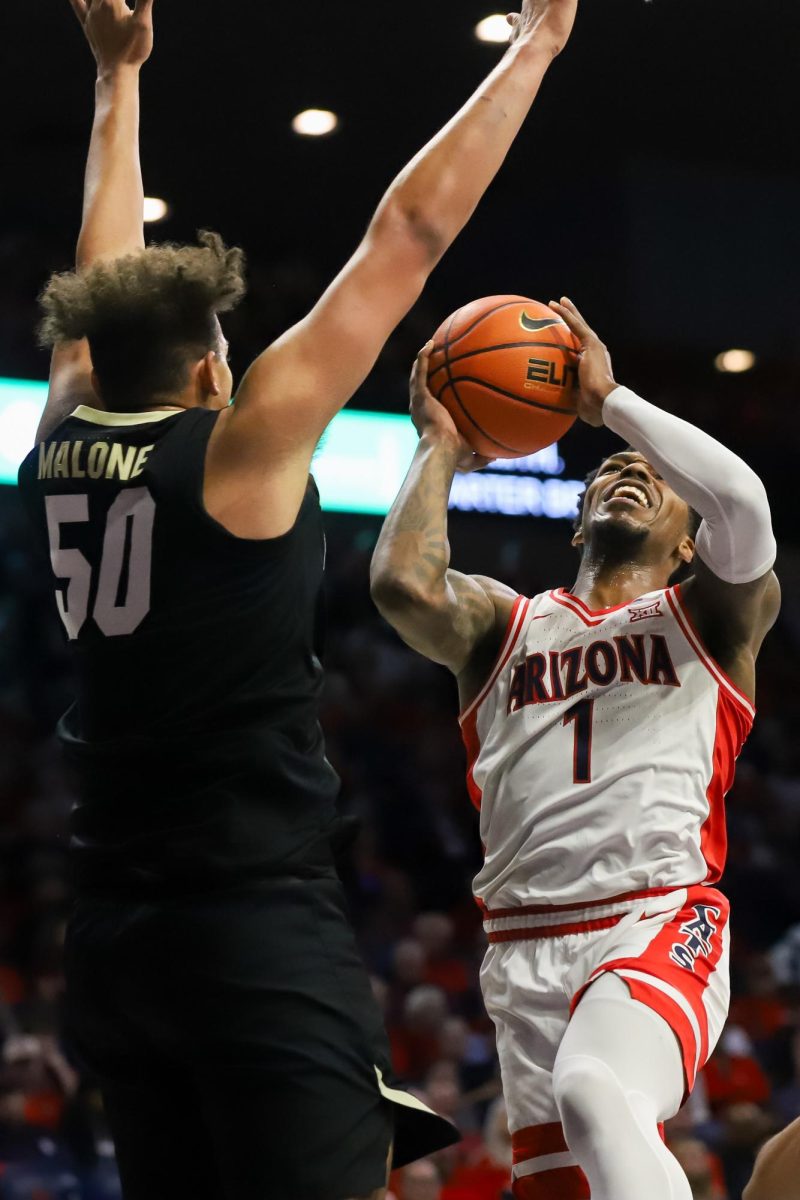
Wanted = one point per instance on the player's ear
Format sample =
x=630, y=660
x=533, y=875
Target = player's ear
x=686, y=549
x=577, y=539
x=207, y=374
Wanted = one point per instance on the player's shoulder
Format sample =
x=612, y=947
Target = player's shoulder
x=500, y=593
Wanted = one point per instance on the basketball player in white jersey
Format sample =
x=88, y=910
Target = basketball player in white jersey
x=602, y=726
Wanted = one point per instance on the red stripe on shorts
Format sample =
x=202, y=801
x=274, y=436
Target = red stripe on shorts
x=530, y=910
x=533, y=933
x=534, y=1140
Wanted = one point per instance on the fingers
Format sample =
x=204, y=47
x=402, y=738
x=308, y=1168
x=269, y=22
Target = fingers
x=419, y=373
x=80, y=9
x=143, y=8
x=569, y=313
x=513, y=19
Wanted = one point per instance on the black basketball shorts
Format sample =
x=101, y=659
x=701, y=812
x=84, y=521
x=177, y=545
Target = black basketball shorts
x=238, y=1045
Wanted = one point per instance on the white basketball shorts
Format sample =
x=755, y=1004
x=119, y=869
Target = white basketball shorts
x=671, y=949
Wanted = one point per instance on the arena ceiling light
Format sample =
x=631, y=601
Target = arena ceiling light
x=155, y=210
x=735, y=362
x=315, y=122
x=493, y=29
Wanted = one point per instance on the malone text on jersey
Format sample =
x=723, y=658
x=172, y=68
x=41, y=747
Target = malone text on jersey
x=91, y=460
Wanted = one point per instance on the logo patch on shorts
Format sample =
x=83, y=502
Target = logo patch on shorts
x=697, y=942
x=641, y=612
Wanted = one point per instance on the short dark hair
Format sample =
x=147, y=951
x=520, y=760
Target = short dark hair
x=147, y=315
x=695, y=519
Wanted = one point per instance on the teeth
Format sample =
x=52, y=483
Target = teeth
x=631, y=492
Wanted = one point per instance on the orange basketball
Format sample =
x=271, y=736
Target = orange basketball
x=505, y=369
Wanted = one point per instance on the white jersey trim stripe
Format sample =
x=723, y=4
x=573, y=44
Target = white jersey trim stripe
x=586, y=614
x=545, y=1162
x=98, y=416
x=683, y=622
x=515, y=625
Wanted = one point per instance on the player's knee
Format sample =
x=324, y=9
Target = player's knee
x=588, y=1094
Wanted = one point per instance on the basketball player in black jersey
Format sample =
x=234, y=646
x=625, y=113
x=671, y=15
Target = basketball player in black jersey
x=214, y=985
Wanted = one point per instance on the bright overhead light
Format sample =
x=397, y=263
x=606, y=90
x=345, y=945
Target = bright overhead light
x=315, y=122
x=735, y=362
x=155, y=209
x=493, y=29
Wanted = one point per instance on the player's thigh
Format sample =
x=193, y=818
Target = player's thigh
x=633, y=1041
x=164, y=1150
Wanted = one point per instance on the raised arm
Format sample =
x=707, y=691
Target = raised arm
x=121, y=40
x=733, y=596
x=456, y=620
x=294, y=389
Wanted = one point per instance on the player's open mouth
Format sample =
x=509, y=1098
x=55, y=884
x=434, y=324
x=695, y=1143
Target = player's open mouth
x=629, y=491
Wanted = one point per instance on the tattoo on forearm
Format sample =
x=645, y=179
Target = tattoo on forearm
x=414, y=537
x=413, y=546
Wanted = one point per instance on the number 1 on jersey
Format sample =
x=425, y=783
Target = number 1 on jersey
x=581, y=713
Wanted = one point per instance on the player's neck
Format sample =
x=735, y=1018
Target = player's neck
x=605, y=584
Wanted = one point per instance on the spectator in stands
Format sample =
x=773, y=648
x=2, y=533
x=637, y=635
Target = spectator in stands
x=434, y=932
x=417, y=1036
x=420, y=1181
x=698, y=1167
x=760, y=1010
x=786, y=1097
x=733, y=1074
x=488, y=1175
x=743, y=1129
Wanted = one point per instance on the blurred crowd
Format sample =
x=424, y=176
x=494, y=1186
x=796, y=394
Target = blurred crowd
x=392, y=734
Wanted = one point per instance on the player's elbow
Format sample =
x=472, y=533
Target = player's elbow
x=409, y=229
x=395, y=593
x=742, y=493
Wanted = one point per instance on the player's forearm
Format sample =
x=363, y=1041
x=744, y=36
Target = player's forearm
x=736, y=539
x=439, y=190
x=113, y=210
x=413, y=553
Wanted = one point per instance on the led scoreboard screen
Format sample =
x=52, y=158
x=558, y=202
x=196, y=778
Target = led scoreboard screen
x=359, y=465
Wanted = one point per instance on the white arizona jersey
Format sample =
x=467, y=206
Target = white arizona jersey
x=600, y=751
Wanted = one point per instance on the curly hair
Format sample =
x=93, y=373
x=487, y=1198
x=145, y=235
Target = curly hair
x=695, y=519
x=146, y=316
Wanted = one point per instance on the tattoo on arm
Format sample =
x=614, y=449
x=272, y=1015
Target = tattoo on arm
x=450, y=611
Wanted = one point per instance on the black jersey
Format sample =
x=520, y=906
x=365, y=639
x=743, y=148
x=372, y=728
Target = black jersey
x=194, y=734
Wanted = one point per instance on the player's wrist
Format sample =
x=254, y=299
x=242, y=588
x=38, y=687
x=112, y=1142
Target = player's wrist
x=111, y=74
x=534, y=50
x=604, y=388
x=444, y=444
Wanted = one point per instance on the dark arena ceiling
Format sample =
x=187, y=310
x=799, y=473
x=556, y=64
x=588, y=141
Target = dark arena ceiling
x=657, y=181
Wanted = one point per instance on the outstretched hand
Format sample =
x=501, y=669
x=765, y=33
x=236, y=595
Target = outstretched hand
x=432, y=419
x=547, y=21
x=117, y=34
x=595, y=372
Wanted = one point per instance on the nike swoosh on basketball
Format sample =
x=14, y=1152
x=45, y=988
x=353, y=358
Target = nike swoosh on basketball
x=533, y=326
